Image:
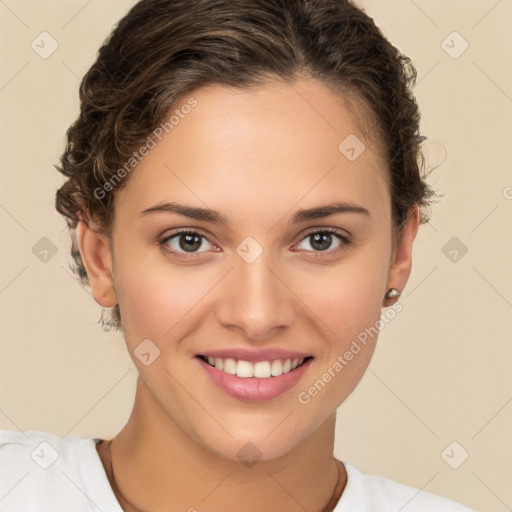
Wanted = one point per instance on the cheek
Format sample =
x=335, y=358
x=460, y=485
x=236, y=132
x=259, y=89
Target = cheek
x=155, y=296
x=358, y=304
x=345, y=307
x=343, y=300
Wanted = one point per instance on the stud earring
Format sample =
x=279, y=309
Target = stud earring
x=392, y=293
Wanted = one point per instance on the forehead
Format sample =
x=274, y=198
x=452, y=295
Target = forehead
x=273, y=144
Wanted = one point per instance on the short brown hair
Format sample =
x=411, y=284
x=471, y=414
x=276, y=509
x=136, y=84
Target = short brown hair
x=162, y=50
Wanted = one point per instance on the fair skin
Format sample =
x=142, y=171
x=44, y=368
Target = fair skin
x=255, y=157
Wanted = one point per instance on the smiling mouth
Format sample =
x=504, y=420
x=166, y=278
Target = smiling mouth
x=259, y=370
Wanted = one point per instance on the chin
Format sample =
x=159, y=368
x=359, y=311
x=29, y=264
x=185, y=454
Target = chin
x=249, y=451
x=262, y=443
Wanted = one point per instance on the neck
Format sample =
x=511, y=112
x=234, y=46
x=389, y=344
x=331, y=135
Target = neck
x=155, y=463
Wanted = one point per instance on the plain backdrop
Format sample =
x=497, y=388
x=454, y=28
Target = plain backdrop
x=439, y=386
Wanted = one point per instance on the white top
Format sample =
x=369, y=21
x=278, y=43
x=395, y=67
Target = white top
x=42, y=472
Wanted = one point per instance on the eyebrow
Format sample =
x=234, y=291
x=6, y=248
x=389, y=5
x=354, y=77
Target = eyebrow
x=208, y=215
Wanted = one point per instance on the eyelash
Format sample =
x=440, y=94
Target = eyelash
x=346, y=241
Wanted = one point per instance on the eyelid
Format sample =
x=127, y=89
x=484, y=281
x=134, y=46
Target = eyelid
x=326, y=229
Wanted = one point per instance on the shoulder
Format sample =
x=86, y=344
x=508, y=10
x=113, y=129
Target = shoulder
x=371, y=493
x=36, y=449
x=43, y=471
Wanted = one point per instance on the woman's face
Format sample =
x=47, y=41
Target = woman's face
x=261, y=279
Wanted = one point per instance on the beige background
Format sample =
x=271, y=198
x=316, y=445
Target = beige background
x=441, y=371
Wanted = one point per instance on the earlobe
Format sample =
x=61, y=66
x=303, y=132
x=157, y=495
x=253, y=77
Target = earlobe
x=401, y=263
x=97, y=258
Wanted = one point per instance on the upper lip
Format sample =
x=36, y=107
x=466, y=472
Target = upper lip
x=255, y=355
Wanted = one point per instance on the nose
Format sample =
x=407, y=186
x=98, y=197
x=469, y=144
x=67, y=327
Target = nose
x=256, y=300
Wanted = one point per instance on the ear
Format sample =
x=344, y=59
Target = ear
x=401, y=259
x=97, y=258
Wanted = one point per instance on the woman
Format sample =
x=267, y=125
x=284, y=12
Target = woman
x=243, y=194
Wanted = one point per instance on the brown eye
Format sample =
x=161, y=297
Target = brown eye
x=321, y=240
x=185, y=241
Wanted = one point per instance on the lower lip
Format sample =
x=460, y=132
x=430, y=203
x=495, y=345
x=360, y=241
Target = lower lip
x=252, y=388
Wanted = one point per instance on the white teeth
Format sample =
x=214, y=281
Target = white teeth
x=260, y=370
x=244, y=369
x=230, y=366
x=277, y=368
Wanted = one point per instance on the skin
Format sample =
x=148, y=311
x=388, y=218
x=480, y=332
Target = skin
x=256, y=157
